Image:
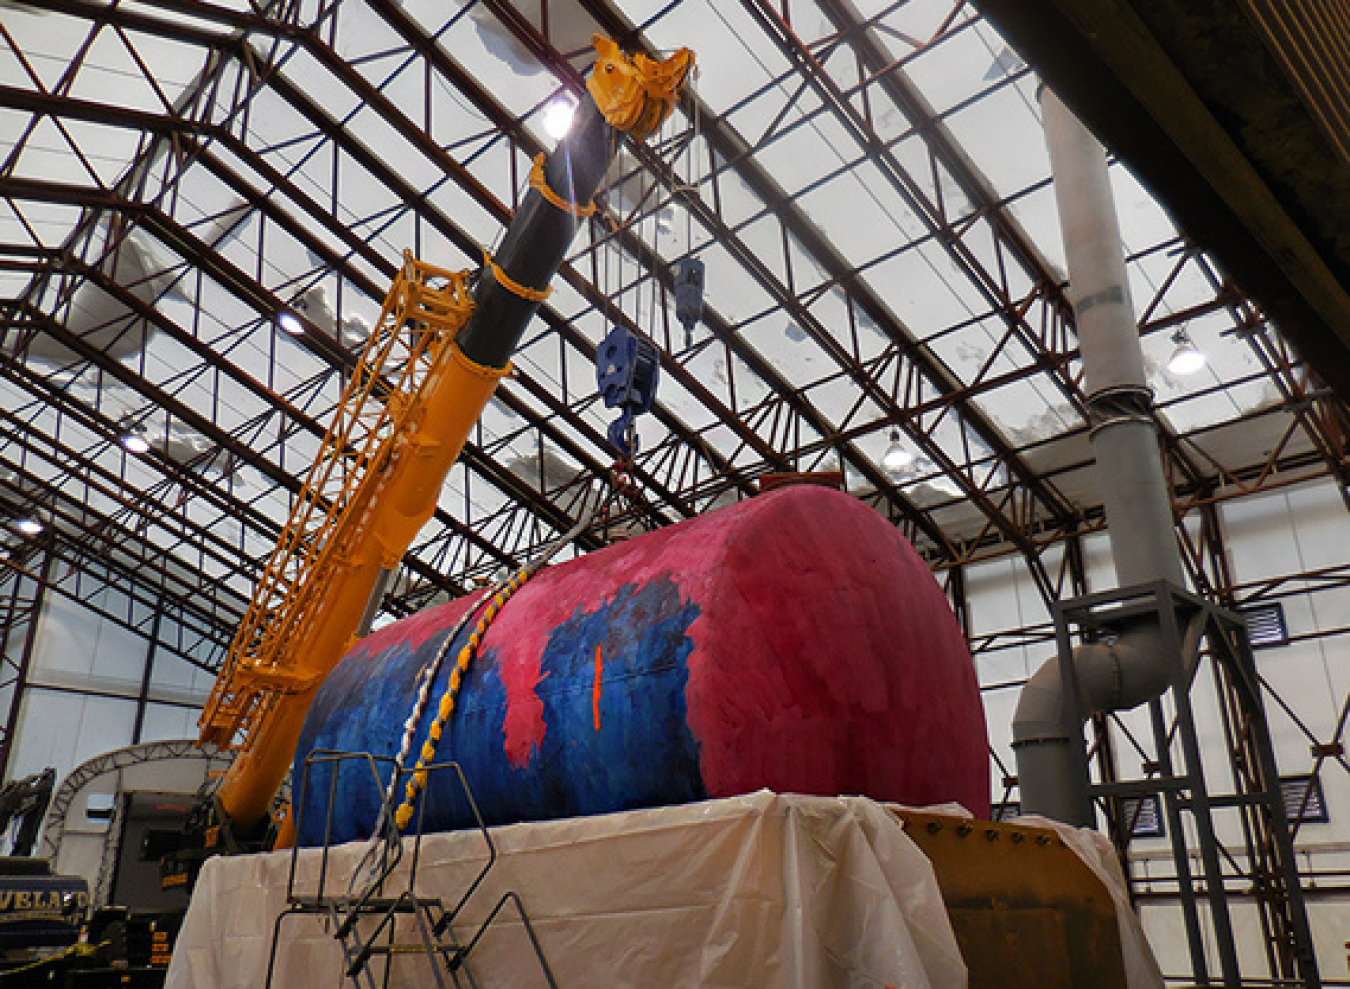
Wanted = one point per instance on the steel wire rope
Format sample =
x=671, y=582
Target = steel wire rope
x=488, y=607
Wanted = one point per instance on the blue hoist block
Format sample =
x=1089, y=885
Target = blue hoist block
x=627, y=369
x=689, y=275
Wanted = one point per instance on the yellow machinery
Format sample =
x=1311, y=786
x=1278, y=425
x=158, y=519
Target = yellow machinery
x=429, y=368
x=401, y=423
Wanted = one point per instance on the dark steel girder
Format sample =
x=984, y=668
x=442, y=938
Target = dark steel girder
x=374, y=164
x=720, y=327
x=201, y=256
x=109, y=540
x=732, y=149
x=972, y=185
x=188, y=246
x=241, y=22
x=133, y=501
x=507, y=124
x=747, y=436
x=139, y=575
x=195, y=140
x=268, y=207
x=942, y=145
x=242, y=453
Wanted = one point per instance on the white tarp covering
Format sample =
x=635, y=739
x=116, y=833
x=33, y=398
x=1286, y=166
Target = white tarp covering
x=754, y=891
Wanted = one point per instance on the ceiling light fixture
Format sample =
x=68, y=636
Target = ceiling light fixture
x=1187, y=358
x=289, y=323
x=898, y=457
x=558, y=116
x=30, y=525
x=132, y=436
x=134, y=442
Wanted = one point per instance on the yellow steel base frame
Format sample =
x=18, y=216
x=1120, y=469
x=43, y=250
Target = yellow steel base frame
x=1026, y=910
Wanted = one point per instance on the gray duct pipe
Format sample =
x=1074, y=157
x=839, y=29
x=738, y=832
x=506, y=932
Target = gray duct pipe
x=1133, y=669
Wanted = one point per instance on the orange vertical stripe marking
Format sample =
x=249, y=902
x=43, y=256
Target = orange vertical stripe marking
x=595, y=690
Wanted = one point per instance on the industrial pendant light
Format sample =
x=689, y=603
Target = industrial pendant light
x=1187, y=358
x=558, y=117
x=898, y=457
x=289, y=323
x=30, y=525
x=133, y=438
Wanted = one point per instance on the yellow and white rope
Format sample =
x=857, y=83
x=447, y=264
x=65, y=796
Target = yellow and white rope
x=418, y=780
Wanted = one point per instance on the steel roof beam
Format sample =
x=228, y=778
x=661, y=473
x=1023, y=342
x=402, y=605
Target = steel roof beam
x=719, y=327
x=732, y=148
x=119, y=372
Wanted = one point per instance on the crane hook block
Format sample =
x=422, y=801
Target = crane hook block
x=627, y=369
x=689, y=295
x=635, y=95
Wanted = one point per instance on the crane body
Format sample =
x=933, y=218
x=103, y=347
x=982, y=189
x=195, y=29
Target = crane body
x=430, y=366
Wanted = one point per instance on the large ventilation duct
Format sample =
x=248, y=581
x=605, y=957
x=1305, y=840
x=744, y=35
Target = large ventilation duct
x=1132, y=669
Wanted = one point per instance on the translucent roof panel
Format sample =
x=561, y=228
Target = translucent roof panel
x=867, y=186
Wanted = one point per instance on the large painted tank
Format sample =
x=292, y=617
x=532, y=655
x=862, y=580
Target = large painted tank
x=794, y=641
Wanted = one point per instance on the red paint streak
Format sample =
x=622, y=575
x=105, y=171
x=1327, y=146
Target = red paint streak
x=523, y=723
x=595, y=689
x=832, y=643
x=560, y=593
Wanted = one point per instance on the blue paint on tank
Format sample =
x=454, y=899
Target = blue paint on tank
x=643, y=753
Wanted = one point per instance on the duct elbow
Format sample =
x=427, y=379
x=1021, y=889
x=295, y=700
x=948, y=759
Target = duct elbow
x=1041, y=715
x=1111, y=676
x=1142, y=668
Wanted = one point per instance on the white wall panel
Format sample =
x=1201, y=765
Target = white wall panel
x=63, y=729
x=178, y=681
x=991, y=596
x=1259, y=535
x=78, y=648
x=1321, y=526
x=165, y=722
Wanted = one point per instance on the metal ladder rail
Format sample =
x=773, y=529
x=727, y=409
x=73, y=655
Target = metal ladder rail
x=344, y=914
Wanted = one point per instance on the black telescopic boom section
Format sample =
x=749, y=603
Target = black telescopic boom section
x=538, y=239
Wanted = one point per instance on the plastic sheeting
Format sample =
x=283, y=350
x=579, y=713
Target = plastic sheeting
x=754, y=891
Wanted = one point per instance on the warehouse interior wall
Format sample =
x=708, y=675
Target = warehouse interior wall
x=1284, y=547
x=104, y=672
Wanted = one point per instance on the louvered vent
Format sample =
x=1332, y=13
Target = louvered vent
x=1143, y=816
x=1265, y=625
x=1303, y=799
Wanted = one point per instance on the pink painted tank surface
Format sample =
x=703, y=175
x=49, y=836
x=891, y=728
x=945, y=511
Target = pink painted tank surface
x=794, y=642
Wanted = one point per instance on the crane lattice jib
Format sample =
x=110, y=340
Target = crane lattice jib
x=378, y=421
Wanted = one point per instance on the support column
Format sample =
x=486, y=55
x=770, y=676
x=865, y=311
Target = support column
x=23, y=592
